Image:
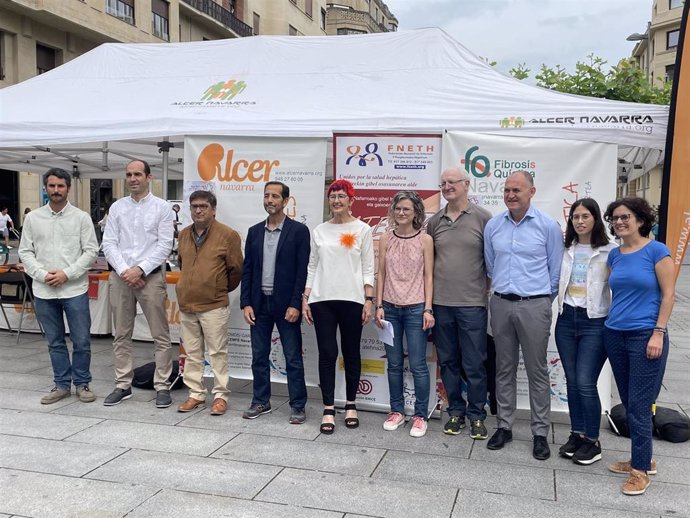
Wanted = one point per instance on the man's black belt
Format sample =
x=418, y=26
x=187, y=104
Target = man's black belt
x=155, y=270
x=515, y=298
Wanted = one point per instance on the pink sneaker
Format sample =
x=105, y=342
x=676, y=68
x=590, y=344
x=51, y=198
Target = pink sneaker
x=395, y=419
x=418, y=427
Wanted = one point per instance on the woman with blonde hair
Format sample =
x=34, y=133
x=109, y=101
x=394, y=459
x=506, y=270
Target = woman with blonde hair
x=404, y=291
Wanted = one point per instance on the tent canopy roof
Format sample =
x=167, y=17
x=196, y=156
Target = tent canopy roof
x=420, y=81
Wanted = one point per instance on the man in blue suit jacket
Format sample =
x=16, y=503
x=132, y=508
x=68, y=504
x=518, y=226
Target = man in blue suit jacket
x=273, y=278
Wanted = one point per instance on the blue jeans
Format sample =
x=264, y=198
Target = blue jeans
x=639, y=381
x=291, y=338
x=407, y=321
x=460, y=338
x=580, y=343
x=76, y=309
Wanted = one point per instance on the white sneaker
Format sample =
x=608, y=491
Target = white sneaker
x=418, y=427
x=395, y=419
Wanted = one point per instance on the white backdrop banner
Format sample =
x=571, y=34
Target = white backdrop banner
x=235, y=169
x=563, y=172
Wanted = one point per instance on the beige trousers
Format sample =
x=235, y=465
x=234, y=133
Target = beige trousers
x=151, y=298
x=206, y=331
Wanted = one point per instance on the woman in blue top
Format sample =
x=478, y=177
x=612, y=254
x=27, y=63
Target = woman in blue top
x=584, y=298
x=642, y=283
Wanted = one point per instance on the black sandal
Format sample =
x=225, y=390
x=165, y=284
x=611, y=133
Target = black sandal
x=351, y=422
x=328, y=428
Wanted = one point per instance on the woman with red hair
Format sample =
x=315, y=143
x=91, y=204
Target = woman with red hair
x=339, y=296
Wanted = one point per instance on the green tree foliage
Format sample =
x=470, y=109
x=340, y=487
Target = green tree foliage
x=623, y=82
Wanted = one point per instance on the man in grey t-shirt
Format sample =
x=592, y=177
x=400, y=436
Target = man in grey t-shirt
x=460, y=301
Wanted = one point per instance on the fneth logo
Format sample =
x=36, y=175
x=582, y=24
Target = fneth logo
x=478, y=166
x=210, y=166
x=370, y=154
x=224, y=90
x=512, y=122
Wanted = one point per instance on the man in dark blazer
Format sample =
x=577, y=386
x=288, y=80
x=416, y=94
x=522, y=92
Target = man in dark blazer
x=273, y=278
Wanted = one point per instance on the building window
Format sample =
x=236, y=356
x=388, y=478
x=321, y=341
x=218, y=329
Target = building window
x=257, y=24
x=45, y=59
x=674, y=4
x=161, y=28
x=309, y=8
x=346, y=30
x=323, y=19
x=122, y=9
x=670, y=70
x=292, y=31
x=672, y=39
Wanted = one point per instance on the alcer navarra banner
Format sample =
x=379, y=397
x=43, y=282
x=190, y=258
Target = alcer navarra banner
x=235, y=169
x=563, y=172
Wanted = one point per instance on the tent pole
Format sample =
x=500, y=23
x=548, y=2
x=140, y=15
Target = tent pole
x=164, y=147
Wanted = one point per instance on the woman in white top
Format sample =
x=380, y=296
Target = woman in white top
x=339, y=295
x=584, y=299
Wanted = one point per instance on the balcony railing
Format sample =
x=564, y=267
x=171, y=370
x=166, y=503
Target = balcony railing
x=222, y=15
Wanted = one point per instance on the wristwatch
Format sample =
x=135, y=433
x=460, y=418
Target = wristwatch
x=369, y=299
x=429, y=310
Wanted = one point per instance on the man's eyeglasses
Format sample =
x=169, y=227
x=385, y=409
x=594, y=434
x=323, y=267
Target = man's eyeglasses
x=623, y=217
x=450, y=183
x=200, y=206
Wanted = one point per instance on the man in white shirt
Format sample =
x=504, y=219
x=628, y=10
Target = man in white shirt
x=137, y=241
x=5, y=225
x=57, y=248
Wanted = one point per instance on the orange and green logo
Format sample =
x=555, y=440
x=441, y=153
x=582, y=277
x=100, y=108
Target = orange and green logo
x=512, y=122
x=224, y=90
x=478, y=166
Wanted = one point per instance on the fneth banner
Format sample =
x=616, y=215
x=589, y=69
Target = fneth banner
x=235, y=169
x=379, y=166
x=563, y=171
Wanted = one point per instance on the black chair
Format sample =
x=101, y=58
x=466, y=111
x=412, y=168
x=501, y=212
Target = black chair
x=15, y=289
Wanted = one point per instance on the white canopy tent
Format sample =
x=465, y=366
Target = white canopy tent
x=119, y=100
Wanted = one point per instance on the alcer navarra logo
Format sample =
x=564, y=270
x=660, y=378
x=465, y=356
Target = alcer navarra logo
x=224, y=90
x=480, y=166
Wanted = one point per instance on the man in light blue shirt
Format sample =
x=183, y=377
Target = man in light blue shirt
x=523, y=248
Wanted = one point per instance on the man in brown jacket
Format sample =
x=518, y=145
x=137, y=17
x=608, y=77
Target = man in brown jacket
x=210, y=255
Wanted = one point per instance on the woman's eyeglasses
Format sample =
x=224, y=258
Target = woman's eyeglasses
x=622, y=217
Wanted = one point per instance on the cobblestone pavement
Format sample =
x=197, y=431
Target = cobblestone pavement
x=72, y=459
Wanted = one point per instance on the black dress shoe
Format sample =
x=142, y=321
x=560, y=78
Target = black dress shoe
x=541, y=450
x=499, y=439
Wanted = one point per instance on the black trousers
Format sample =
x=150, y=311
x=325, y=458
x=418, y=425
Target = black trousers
x=329, y=317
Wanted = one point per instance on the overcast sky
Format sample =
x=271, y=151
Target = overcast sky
x=553, y=32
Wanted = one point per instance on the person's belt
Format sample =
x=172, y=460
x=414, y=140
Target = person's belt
x=515, y=298
x=155, y=270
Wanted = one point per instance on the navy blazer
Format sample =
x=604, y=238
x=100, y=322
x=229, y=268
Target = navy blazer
x=292, y=258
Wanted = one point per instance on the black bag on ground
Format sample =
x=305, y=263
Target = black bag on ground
x=618, y=420
x=671, y=425
x=143, y=376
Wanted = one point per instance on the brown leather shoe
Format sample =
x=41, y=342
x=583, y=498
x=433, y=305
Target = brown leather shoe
x=219, y=406
x=190, y=405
